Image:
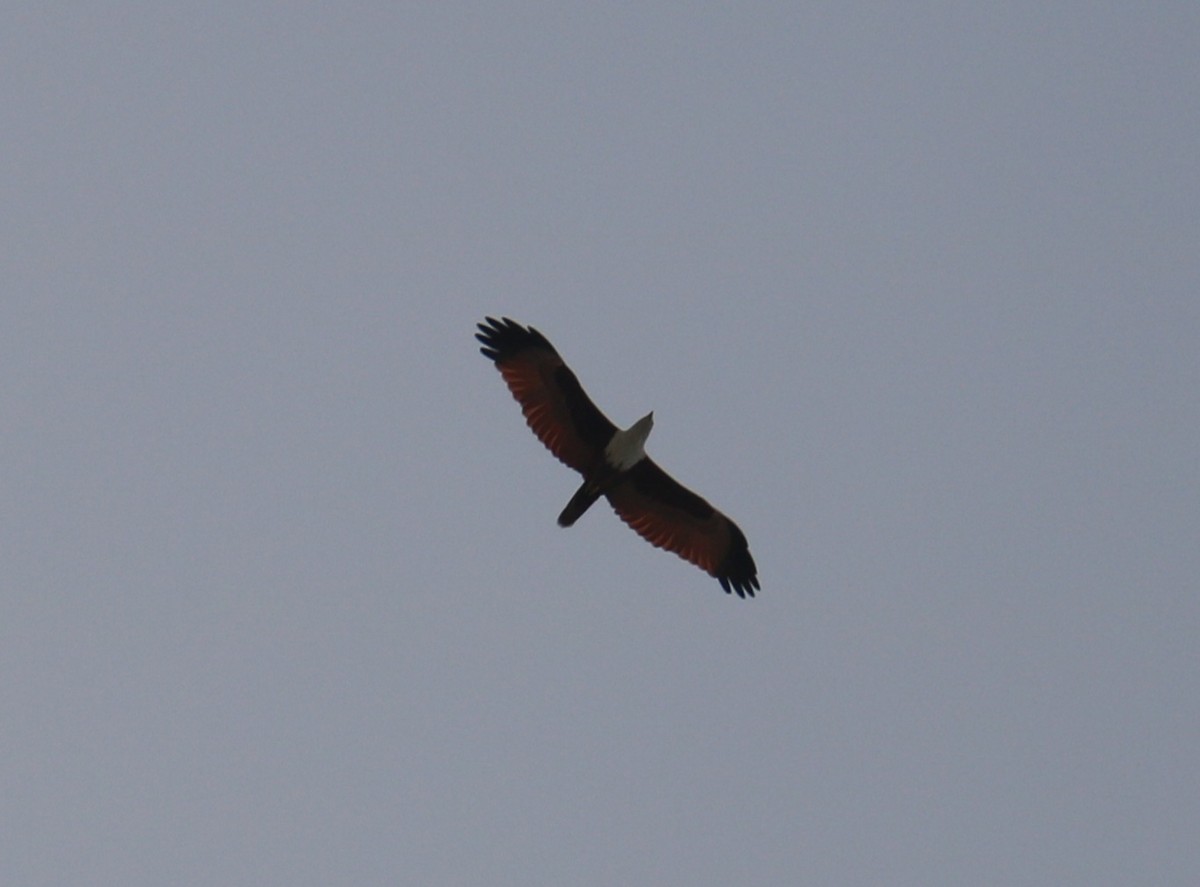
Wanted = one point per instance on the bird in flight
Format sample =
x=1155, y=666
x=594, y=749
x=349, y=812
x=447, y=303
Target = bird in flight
x=613, y=460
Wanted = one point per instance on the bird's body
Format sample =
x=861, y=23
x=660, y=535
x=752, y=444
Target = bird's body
x=613, y=461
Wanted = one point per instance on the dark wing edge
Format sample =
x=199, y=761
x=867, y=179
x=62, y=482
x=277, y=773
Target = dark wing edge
x=505, y=338
x=670, y=516
x=556, y=407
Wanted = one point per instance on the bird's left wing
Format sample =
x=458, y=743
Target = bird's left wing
x=555, y=405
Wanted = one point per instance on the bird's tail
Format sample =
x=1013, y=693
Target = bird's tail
x=580, y=502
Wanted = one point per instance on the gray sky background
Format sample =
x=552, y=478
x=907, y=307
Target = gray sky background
x=913, y=292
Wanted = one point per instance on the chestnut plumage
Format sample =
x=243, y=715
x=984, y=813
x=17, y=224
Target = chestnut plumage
x=613, y=461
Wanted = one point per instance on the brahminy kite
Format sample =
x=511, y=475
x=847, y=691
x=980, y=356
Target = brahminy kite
x=613, y=461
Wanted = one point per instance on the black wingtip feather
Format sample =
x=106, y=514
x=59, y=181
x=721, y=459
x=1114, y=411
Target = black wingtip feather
x=743, y=588
x=738, y=574
x=505, y=337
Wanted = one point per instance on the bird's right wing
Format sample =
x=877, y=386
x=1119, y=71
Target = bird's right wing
x=669, y=515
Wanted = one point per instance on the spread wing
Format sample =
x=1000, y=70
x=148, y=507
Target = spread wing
x=669, y=515
x=555, y=406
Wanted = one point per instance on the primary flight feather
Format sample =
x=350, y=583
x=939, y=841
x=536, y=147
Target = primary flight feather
x=612, y=460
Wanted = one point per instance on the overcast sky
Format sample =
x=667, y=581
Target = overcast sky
x=912, y=289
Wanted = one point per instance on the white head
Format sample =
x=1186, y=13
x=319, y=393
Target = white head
x=626, y=448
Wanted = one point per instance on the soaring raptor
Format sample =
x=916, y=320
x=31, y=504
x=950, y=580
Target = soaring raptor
x=613, y=461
